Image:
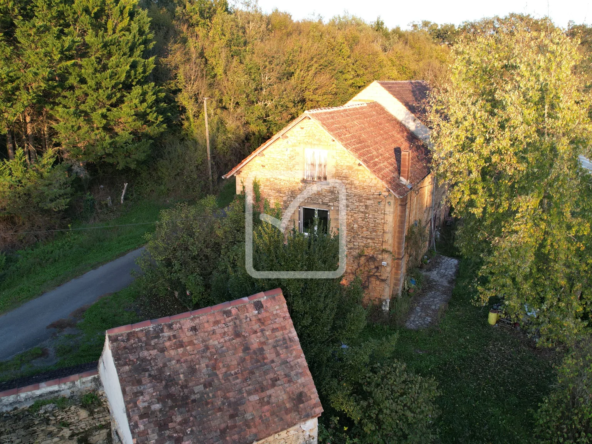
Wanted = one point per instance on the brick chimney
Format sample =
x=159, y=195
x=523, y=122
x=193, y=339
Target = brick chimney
x=405, y=165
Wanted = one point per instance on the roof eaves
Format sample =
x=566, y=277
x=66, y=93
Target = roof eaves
x=196, y=313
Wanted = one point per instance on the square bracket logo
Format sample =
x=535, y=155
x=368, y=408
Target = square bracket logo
x=282, y=224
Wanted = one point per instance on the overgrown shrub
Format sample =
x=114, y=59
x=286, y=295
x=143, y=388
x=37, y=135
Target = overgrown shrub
x=32, y=198
x=182, y=255
x=198, y=259
x=325, y=313
x=566, y=414
x=179, y=169
x=377, y=400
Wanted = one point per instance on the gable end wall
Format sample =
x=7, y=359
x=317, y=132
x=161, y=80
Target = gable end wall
x=366, y=195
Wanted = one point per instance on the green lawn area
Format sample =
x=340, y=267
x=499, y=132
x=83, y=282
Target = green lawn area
x=31, y=272
x=491, y=378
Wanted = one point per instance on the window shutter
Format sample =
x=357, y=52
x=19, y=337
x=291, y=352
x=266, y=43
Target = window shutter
x=315, y=164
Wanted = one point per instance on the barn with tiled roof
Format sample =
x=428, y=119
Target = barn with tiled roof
x=232, y=373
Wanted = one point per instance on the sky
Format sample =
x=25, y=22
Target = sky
x=402, y=13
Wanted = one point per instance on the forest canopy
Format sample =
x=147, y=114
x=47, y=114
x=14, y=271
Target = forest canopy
x=111, y=88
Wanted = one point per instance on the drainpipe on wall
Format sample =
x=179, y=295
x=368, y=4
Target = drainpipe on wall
x=403, y=207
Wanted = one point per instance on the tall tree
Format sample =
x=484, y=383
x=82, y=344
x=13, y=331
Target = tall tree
x=508, y=129
x=74, y=75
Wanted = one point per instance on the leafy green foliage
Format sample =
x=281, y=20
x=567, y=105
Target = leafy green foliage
x=490, y=379
x=183, y=254
x=382, y=399
x=396, y=405
x=507, y=130
x=77, y=75
x=262, y=70
x=199, y=259
x=32, y=197
x=416, y=241
x=90, y=399
x=565, y=416
x=325, y=314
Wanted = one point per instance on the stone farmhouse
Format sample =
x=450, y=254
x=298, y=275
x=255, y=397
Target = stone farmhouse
x=232, y=373
x=377, y=146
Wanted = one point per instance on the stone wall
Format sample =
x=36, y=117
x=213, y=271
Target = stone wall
x=279, y=169
x=63, y=387
x=415, y=207
x=376, y=220
x=304, y=433
x=72, y=423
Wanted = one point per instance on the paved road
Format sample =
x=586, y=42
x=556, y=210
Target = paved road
x=26, y=326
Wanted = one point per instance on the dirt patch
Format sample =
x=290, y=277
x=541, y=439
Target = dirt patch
x=428, y=307
x=62, y=324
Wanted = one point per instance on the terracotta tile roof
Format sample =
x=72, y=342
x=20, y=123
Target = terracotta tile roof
x=372, y=135
x=411, y=93
x=233, y=373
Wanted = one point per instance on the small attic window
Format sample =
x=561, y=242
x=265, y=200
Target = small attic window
x=315, y=164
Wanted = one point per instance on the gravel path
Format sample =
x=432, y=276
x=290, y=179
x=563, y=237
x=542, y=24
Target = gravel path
x=436, y=292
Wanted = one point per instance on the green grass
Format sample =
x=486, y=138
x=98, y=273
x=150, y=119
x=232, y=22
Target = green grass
x=31, y=272
x=491, y=378
x=61, y=403
x=111, y=311
x=21, y=361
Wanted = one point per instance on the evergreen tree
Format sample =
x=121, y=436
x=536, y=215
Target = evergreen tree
x=74, y=75
x=108, y=110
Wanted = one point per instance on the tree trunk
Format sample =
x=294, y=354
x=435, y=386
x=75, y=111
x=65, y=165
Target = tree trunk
x=31, y=147
x=25, y=147
x=9, y=145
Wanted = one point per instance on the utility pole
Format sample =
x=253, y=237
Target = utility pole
x=208, y=144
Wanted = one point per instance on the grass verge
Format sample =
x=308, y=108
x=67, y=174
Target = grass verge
x=31, y=272
x=86, y=346
x=491, y=378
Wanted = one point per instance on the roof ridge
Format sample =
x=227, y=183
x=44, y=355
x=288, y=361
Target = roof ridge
x=196, y=313
x=336, y=108
x=401, y=81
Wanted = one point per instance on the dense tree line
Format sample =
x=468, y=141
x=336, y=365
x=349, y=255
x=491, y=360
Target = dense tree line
x=118, y=85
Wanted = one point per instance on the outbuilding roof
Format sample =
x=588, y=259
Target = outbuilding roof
x=232, y=373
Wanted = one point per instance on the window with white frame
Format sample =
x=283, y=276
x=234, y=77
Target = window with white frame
x=315, y=164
